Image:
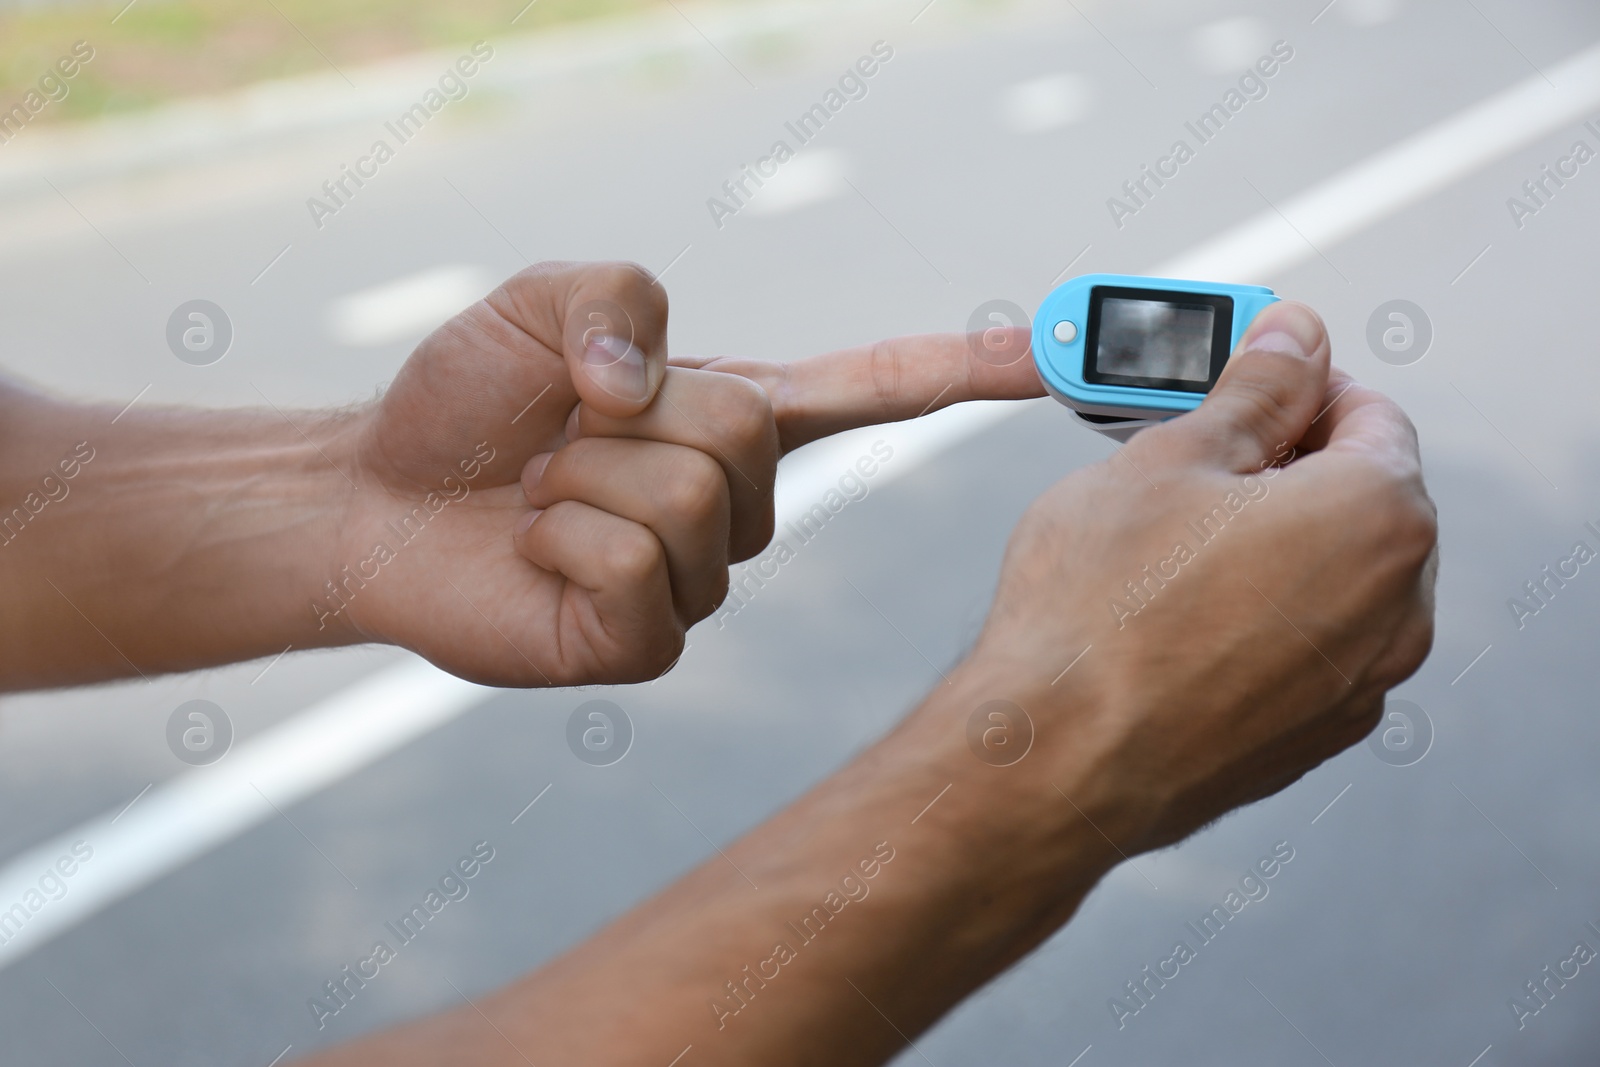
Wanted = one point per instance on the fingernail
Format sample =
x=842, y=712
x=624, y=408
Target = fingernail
x=527, y=521
x=1289, y=328
x=1278, y=341
x=617, y=366
x=533, y=472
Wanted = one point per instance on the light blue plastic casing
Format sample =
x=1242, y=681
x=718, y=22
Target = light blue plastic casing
x=1061, y=365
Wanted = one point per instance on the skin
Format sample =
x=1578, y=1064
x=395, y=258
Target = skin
x=602, y=528
x=193, y=538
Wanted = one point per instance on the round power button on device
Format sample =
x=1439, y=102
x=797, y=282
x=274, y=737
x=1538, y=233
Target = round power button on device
x=1066, y=331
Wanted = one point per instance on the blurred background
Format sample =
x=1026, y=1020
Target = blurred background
x=1377, y=172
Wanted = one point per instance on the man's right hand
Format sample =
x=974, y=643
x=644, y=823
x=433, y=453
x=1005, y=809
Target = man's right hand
x=1249, y=580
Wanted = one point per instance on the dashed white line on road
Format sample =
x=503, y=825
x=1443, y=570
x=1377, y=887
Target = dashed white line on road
x=406, y=307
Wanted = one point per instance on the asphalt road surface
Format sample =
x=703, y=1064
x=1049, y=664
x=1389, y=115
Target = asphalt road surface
x=1427, y=885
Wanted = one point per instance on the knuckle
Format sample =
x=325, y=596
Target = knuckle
x=752, y=535
x=1176, y=442
x=1406, y=650
x=666, y=654
x=1260, y=402
x=523, y=297
x=1355, y=719
x=709, y=598
x=536, y=276
x=1416, y=644
x=546, y=530
x=720, y=584
x=1420, y=531
x=1422, y=646
x=1399, y=521
x=632, y=282
x=1367, y=713
x=743, y=416
x=697, y=487
x=633, y=555
x=1393, y=412
x=653, y=657
x=1409, y=522
x=550, y=483
x=550, y=269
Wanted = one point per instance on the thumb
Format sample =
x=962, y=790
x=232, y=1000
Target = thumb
x=1268, y=393
x=614, y=337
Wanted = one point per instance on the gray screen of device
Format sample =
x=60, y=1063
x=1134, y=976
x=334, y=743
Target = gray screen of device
x=1155, y=339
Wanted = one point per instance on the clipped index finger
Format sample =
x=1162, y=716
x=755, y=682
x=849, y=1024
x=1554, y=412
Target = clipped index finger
x=890, y=381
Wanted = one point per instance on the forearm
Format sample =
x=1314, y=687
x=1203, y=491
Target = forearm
x=829, y=935
x=160, y=540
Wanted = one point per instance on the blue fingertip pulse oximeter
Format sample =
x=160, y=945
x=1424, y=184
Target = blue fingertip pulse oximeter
x=1124, y=352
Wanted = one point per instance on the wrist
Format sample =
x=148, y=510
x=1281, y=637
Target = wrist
x=1035, y=826
x=189, y=538
x=333, y=586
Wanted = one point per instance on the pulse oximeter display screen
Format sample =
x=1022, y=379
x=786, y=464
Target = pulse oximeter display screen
x=1156, y=339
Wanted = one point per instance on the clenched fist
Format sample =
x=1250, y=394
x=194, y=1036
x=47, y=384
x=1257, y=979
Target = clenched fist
x=546, y=499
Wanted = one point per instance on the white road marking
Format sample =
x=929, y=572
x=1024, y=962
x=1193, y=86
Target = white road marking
x=1230, y=46
x=812, y=176
x=1046, y=103
x=188, y=815
x=1369, y=13
x=192, y=813
x=1398, y=177
x=407, y=307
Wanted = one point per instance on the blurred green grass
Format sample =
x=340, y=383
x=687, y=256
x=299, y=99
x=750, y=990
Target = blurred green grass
x=160, y=50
